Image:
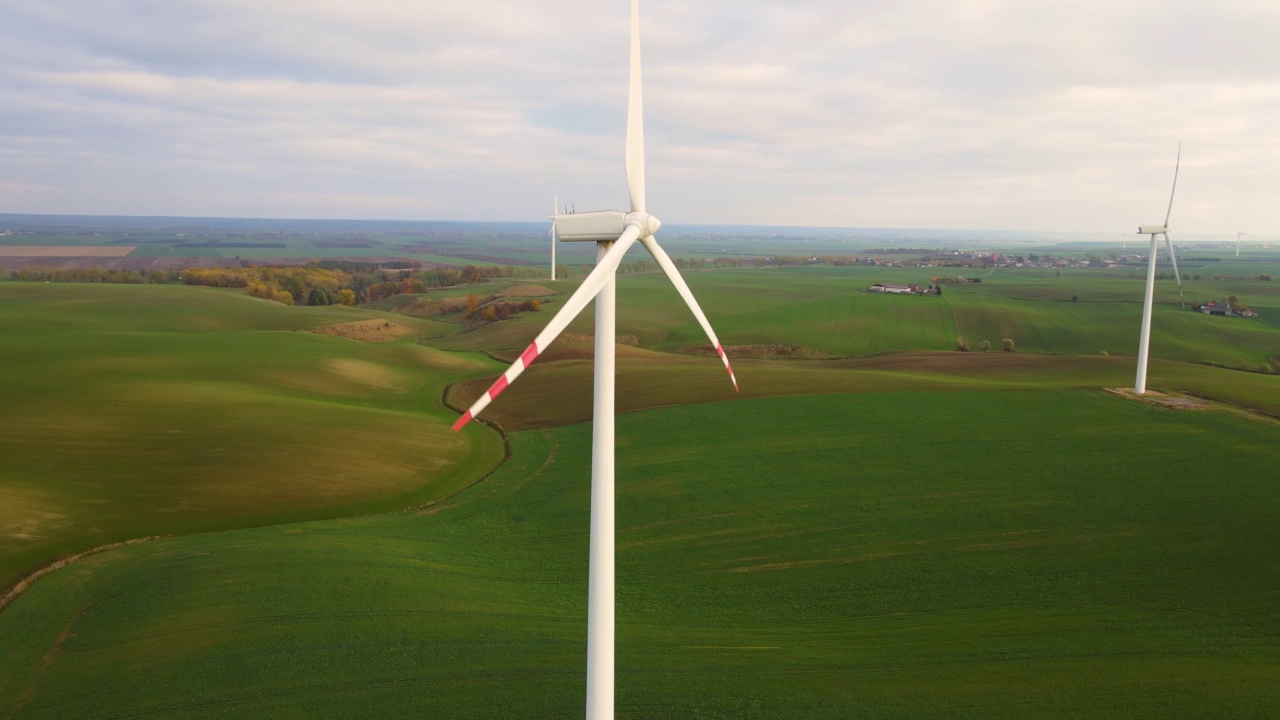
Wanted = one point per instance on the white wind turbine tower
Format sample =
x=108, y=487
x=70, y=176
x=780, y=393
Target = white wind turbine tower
x=555, y=202
x=1238, y=236
x=614, y=232
x=1144, y=343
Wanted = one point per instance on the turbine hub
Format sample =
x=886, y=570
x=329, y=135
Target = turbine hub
x=647, y=223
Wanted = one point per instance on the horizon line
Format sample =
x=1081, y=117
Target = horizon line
x=1110, y=235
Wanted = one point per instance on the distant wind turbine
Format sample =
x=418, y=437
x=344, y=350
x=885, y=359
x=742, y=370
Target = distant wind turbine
x=1238, y=236
x=555, y=209
x=614, y=232
x=1144, y=343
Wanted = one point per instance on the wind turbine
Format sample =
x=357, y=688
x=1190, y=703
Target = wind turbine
x=555, y=203
x=613, y=232
x=1238, y=236
x=1144, y=343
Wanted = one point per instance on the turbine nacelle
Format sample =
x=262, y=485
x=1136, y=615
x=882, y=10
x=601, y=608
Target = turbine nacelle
x=603, y=225
x=1153, y=230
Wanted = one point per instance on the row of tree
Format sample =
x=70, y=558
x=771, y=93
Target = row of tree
x=94, y=275
x=962, y=344
x=318, y=283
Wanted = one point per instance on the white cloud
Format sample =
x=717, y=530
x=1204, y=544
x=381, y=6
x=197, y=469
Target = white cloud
x=991, y=114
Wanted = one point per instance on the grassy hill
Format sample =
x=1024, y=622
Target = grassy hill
x=929, y=554
x=133, y=411
x=904, y=530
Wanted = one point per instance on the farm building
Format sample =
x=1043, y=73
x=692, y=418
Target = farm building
x=1223, y=308
x=895, y=289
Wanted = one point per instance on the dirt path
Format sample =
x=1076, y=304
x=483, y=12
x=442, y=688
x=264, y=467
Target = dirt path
x=1191, y=401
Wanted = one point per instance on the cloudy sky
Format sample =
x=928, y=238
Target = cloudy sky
x=981, y=114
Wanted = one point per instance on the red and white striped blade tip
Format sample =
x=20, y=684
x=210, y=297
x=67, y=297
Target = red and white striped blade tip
x=502, y=383
x=725, y=359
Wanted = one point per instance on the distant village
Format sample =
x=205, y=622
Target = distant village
x=1230, y=307
x=985, y=260
x=1226, y=308
x=973, y=259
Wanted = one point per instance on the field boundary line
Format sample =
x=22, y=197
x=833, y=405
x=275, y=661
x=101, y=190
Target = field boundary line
x=30, y=578
x=506, y=457
x=955, y=319
x=26, y=581
x=1210, y=403
x=1255, y=413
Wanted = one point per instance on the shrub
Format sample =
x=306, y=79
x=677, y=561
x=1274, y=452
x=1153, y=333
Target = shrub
x=985, y=345
x=962, y=344
x=1007, y=344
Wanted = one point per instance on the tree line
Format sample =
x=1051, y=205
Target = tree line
x=317, y=283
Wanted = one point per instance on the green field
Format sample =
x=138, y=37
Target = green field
x=900, y=530
x=825, y=309
x=879, y=554
x=133, y=411
x=557, y=390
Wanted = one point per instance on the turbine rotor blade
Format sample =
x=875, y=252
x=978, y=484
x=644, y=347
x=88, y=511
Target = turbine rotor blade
x=1174, y=258
x=603, y=272
x=635, y=119
x=1176, y=164
x=668, y=267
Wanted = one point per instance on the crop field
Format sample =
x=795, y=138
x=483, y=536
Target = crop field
x=513, y=243
x=895, y=529
x=133, y=411
x=62, y=251
x=557, y=389
x=825, y=309
x=928, y=554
